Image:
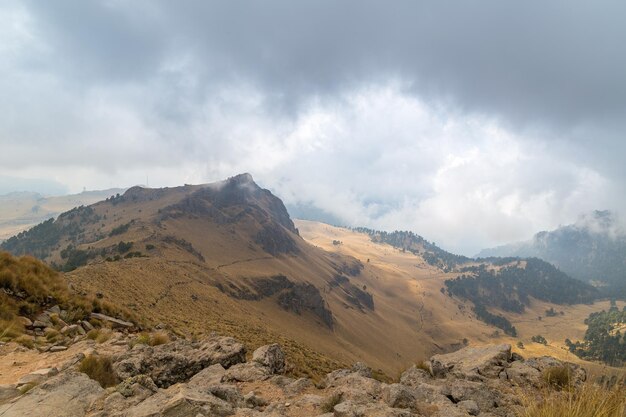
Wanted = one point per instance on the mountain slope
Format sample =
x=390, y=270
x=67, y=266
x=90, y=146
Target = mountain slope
x=22, y=210
x=592, y=250
x=226, y=257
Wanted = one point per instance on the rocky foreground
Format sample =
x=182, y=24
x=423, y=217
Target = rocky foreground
x=213, y=378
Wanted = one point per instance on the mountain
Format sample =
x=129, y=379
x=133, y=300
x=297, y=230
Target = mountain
x=592, y=250
x=226, y=257
x=20, y=211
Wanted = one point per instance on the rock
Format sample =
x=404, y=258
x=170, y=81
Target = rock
x=469, y=406
x=54, y=310
x=228, y=393
x=57, y=349
x=461, y=390
x=251, y=400
x=37, y=377
x=86, y=325
x=178, y=361
x=414, y=376
x=70, y=330
x=474, y=363
x=136, y=385
x=38, y=324
x=212, y=375
x=298, y=386
x=180, y=400
x=270, y=356
x=399, y=396
x=8, y=391
x=247, y=372
x=521, y=373
x=68, y=394
x=115, y=322
x=358, y=389
x=362, y=369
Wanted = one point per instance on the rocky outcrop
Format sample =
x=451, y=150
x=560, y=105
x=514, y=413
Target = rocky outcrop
x=178, y=361
x=212, y=378
x=306, y=297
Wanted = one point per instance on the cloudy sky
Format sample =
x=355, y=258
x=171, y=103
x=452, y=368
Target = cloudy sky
x=470, y=123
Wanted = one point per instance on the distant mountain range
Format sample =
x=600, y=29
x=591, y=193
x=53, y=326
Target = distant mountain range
x=20, y=211
x=592, y=250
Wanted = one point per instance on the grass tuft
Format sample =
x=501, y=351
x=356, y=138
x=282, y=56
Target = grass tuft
x=558, y=376
x=100, y=369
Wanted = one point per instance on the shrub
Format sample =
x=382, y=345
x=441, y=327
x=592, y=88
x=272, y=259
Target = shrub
x=558, y=376
x=539, y=339
x=159, y=339
x=100, y=369
x=26, y=341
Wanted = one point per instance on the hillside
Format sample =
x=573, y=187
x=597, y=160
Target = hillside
x=227, y=258
x=20, y=211
x=592, y=250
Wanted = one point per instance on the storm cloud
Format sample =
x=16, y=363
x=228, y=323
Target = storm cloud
x=472, y=123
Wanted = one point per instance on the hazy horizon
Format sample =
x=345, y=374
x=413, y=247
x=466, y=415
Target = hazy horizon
x=473, y=125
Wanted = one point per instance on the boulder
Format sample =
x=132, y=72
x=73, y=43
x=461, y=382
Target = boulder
x=470, y=407
x=473, y=363
x=399, y=396
x=247, y=372
x=68, y=394
x=180, y=400
x=37, y=377
x=270, y=356
x=414, y=376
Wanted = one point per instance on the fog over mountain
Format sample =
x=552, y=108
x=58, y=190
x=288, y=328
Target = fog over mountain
x=593, y=249
x=472, y=124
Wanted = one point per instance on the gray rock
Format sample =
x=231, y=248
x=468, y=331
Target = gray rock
x=57, y=349
x=362, y=369
x=179, y=400
x=298, y=387
x=399, y=396
x=8, y=391
x=37, y=377
x=112, y=320
x=270, y=356
x=68, y=394
x=209, y=376
x=178, y=361
x=414, y=376
x=470, y=407
x=474, y=363
x=247, y=372
x=228, y=393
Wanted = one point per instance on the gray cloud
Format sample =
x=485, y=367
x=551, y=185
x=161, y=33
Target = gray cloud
x=396, y=116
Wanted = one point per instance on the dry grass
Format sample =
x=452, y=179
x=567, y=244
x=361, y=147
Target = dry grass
x=424, y=366
x=558, y=376
x=587, y=401
x=99, y=335
x=28, y=284
x=100, y=369
x=153, y=339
